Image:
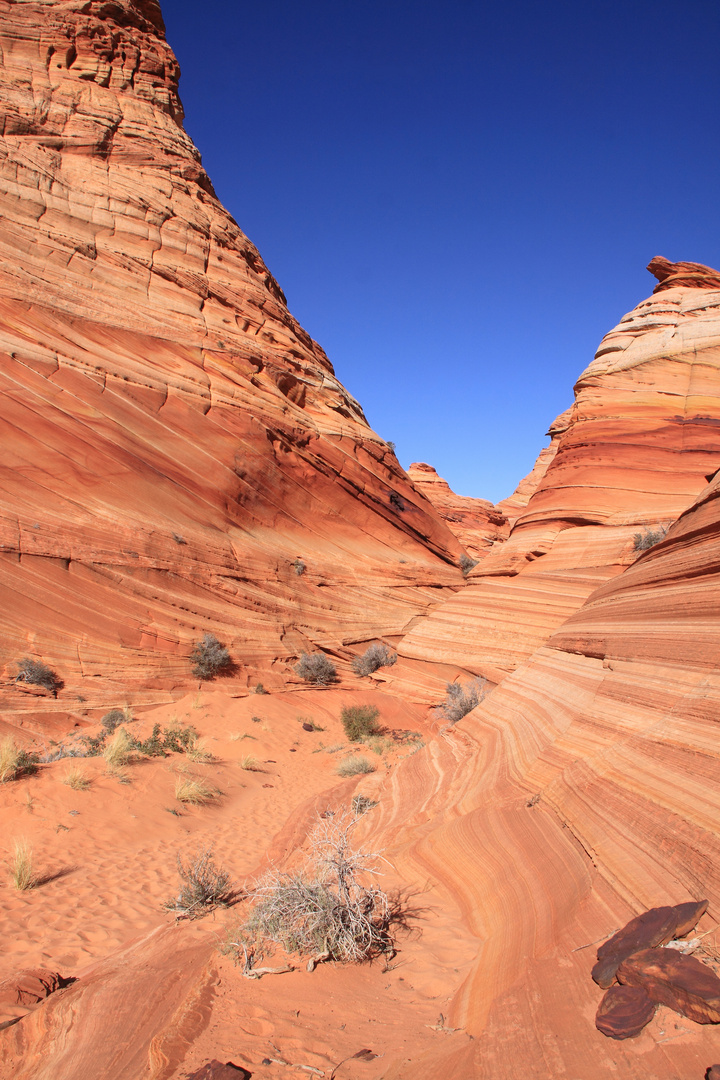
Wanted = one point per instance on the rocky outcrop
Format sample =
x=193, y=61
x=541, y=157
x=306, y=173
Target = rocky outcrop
x=179, y=456
x=476, y=522
x=630, y=455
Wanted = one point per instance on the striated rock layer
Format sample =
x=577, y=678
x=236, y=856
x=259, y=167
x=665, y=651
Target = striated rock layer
x=630, y=455
x=477, y=524
x=178, y=454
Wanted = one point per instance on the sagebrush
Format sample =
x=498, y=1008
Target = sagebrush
x=316, y=668
x=37, y=673
x=355, y=765
x=326, y=910
x=466, y=563
x=643, y=541
x=374, y=657
x=209, y=657
x=461, y=698
x=203, y=886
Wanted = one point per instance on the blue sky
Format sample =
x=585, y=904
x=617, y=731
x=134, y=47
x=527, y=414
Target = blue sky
x=459, y=198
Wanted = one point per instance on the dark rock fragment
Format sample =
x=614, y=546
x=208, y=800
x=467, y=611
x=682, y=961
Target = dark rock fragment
x=624, y=1011
x=680, y=982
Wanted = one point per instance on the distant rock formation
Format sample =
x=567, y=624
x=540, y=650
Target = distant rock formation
x=686, y=275
x=476, y=522
x=629, y=456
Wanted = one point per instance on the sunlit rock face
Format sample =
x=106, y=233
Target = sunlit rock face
x=477, y=524
x=178, y=454
x=629, y=456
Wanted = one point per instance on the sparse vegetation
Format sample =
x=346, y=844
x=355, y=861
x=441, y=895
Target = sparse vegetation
x=113, y=719
x=316, y=668
x=37, y=673
x=260, y=689
x=299, y=567
x=461, y=698
x=117, y=752
x=374, y=657
x=309, y=724
x=361, y=804
x=76, y=779
x=209, y=657
x=355, y=765
x=642, y=541
x=14, y=762
x=199, y=751
x=326, y=910
x=21, y=867
x=466, y=563
x=202, y=886
x=359, y=721
x=249, y=763
x=192, y=790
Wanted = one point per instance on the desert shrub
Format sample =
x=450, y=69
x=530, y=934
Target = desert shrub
x=112, y=720
x=355, y=765
x=466, y=563
x=461, y=698
x=209, y=657
x=171, y=740
x=15, y=762
x=192, y=790
x=76, y=779
x=359, y=721
x=38, y=674
x=260, y=689
x=202, y=886
x=316, y=668
x=649, y=538
x=361, y=804
x=374, y=657
x=325, y=910
x=21, y=867
x=299, y=567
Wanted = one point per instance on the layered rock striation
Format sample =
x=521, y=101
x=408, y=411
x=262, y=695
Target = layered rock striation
x=627, y=458
x=179, y=456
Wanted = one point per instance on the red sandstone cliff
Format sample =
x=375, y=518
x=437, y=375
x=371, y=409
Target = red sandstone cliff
x=631, y=454
x=174, y=442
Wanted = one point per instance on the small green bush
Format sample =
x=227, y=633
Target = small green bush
x=359, y=721
x=209, y=657
x=374, y=657
x=316, y=668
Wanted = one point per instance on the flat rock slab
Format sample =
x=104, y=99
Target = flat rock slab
x=624, y=1011
x=654, y=927
x=680, y=982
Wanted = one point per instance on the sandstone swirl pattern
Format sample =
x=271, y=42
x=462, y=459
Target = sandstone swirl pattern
x=632, y=453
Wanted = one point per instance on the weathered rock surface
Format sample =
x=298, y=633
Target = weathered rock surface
x=654, y=927
x=476, y=522
x=174, y=441
x=624, y=1011
x=682, y=983
x=633, y=452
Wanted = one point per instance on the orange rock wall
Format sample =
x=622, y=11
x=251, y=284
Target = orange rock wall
x=476, y=522
x=632, y=453
x=174, y=441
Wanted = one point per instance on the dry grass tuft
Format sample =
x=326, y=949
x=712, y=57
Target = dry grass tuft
x=9, y=759
x=199, y=751
x=203, y=886
x=117, y=751
x=249, y=763
x=193, y=790
x=355, y=765
x=21, y=870
x=76, y=779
